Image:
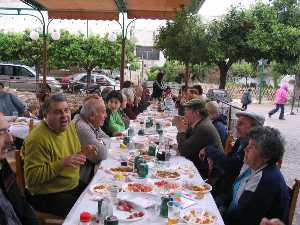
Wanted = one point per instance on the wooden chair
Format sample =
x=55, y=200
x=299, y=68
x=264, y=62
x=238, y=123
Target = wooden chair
x=294, y=192
x=43, y=218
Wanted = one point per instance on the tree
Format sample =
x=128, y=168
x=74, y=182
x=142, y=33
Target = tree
x=227, y=41
x=183, y=40
x=243, y=69
x=170, y=69
x=10, y=46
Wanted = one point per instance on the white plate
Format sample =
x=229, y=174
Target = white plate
x=167, y=178
x=123, y=215
x=209, y=188
x=125, y=187
x=198, y=213
x=100, y=191
x=141, y=199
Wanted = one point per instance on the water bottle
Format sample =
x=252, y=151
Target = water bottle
x=131, y=131
x=106, y=208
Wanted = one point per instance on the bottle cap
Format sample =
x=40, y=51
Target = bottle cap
x=85, y=217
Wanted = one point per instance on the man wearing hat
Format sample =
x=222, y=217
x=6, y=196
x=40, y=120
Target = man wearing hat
x=195, y=132
x=230, y=165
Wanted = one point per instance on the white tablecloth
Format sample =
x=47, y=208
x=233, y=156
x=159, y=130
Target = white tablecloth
x=21, y=129
x=86, y=202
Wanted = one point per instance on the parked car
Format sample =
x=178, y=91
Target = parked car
x=218, y=95
x=79, y=81
x=23, y=78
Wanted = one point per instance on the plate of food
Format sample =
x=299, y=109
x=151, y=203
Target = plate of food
x=202, y=188
x=128, y=211
x=145, y=157
x=165, y=185
x=137, y=187
x=121, y=169
x=167, y=174
x=198, y=216
x=99, y=188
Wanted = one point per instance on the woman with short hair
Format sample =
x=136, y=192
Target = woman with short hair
x=260, y=190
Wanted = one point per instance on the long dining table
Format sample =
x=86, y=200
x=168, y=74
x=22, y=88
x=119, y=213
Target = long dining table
x=117, y=153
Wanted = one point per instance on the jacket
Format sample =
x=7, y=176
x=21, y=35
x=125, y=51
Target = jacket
x=194, y=139
x=158, y=89
x=263, y=194
x=220, y=124
x=9, y=187
x=87, y=134
x=246, y=98
x=281, y=95
x=10, y=103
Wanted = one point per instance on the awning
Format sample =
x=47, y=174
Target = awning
x=110, y=9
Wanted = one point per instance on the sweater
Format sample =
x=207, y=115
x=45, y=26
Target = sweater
x=9, y=103
x=202, y=135
x=115, y=122
x=44, y=151
x=89, y=135
x=10, y=189
x=263, y=194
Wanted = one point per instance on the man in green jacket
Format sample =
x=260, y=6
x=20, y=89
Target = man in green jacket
x=52, y=159
x=196, y=131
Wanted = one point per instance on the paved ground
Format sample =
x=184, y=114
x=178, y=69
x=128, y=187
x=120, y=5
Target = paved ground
x=290, y=128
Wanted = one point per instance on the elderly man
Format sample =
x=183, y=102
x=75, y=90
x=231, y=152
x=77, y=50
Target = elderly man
x=200, y=134
x=88, y=123
x=52, y=159
x=230, y=165
x=13, y=207
x=11, y=104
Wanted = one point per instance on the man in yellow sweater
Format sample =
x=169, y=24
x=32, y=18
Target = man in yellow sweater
x=52, y=158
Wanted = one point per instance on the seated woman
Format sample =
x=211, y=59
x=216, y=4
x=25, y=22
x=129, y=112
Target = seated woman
x=131, y=109
x=122, y=111
x=260, y=190
x=114, y=124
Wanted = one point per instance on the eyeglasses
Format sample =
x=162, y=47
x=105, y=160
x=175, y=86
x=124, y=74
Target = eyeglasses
x=4, y=131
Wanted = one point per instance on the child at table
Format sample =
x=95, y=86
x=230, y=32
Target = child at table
x=114, y=124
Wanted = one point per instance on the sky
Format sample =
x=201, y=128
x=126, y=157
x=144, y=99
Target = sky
x=209, y=10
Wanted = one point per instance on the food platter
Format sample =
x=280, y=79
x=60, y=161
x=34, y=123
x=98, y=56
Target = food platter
x=167, y=174
x=198, y=216
x=196, y=188
x=137, y=187
x=99, y=188
x=167, y=185
x=122, y=169
x=128, y=211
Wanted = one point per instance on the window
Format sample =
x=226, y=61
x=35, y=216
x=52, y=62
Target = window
x=26, y=73
x=148, y=53
x=8, y=70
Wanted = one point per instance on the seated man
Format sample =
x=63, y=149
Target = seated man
x=200, y=134
x=218, y=119
x=10, y=104
x=88, y=123
x=52, y=158
x=230, y=165
x=13, y=207
x=260, y=190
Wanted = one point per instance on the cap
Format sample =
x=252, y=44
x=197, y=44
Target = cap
x=258, y=118
x=195, y=103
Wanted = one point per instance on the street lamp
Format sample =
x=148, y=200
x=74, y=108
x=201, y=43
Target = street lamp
x=34, y=35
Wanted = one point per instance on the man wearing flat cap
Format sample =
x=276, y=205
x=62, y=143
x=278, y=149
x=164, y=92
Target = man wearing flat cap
x=196, y=131
x=230, y=165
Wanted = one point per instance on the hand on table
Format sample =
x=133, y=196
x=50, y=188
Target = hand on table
x=74, y=160
x=266, y=221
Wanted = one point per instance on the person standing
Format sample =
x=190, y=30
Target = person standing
x=246, y=99
x=158, y=86
x=281, y=98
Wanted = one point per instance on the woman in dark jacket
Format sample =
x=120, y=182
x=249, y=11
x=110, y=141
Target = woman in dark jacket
x=158, y=86
x=260, y=190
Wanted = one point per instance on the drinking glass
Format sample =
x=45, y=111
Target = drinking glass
x=173, y=213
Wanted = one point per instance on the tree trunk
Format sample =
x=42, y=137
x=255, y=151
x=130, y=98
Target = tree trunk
x=223, y=74
x=88, y=80
x=187, y=75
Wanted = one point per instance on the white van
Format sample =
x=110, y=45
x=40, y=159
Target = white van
x=23, y=78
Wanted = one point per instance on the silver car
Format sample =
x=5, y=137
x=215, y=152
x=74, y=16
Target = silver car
x=23, y=78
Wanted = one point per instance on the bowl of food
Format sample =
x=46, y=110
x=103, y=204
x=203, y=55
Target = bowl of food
x=199, y=188
x=199, y=216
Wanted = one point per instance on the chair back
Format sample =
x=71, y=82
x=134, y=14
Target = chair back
x=19, y=171
x=294, y=192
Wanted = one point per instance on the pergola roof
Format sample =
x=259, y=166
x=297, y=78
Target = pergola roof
x=110, y=9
